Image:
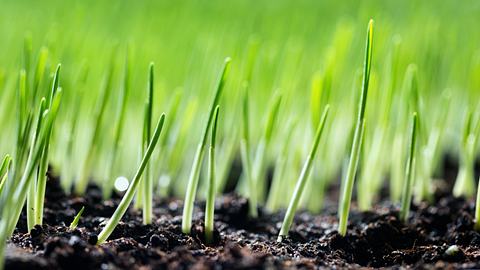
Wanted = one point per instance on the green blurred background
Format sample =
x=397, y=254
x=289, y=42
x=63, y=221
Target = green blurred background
x=188, y=41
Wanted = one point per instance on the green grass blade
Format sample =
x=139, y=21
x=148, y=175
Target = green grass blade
x=43, y=168
x=32, y=183
x=346, y=196
x=302, y=179
x=147, y=181
x=210, y=203
x=75, y=221
x=195, y=172
x=17, y=200
x=128, y=197
x=409, y=172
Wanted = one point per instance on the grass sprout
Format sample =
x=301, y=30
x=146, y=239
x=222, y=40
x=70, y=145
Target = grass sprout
x=464, y=184
x=409, y=172
x=302, y=179
x=147, y=180
x=246, y=159
x=210, y=202
x=43, y=166
x=75, y=221
x=346, y=192
x=197, y=161
x=128, y=196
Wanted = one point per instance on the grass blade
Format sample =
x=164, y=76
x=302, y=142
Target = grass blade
x=75, y=221
x=195, y=172
x=409, y=172
x=302, y=179
x=128, y=197
x=210, y=203
x=346, y=196
x=147, y=126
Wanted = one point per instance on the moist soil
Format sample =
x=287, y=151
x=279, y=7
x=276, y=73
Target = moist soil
x=375, y=238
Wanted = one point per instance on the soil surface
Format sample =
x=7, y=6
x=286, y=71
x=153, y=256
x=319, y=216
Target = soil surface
x=375, y=239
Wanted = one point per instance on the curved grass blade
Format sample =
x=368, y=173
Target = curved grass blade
x=195, y=172
x=210, y=203
x=128, y=197
x=346, y=196
x=302, y=179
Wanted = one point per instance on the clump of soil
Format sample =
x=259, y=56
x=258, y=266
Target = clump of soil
x=375, y=238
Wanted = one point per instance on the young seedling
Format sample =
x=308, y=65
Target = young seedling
x=32, y=183
x=346, y=193
x=75, y=221
x=210, y=204
x=275, y=193
x=409, y=172
x=302, y=179
x=246, y=160
x=16, y=199
x=147, y=126
x=128, y=197
x=195, y=172
x=260, y=154
x=43, y=168
x=464, y=184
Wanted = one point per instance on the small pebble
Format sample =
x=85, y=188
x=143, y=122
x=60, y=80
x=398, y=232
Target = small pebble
x=452, y=250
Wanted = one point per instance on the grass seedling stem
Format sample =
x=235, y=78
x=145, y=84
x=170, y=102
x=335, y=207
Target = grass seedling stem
x=75, y=221
x=147, y=126
x=302, y=179
x=43, y=168
x=409, y=172
x=210, y=204
x=128, y=197
x=346, y=196
x=197, y=161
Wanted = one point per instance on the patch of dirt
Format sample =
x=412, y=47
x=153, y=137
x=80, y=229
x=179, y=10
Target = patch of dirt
x=375, y=238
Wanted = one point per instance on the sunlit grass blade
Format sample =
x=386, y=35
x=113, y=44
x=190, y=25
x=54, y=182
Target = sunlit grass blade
x=16, y=201
x=258, y=166
x=32, y=182
x=409, y=172
x=128, y=196
x=275, y=193
x=195, y=171
x=43, y=167
x=210, y=203
x=75, y=221
x=246, y=159
x=302, y=179
x=147, y=180
x=346, y=196
x=464, y=184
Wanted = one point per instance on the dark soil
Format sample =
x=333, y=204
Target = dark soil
x=375, y=239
